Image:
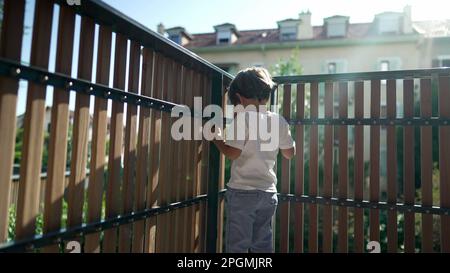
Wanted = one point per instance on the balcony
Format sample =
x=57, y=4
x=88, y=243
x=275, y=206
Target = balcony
x=131, y=187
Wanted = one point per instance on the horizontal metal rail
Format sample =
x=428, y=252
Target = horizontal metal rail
x=361, y=76
x=432, y=210
x=434, y=121
x=10, y=68
x=62, y=235
x=58, y=237
x=104, y=14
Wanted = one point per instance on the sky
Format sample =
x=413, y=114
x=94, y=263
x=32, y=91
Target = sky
x=199, y=16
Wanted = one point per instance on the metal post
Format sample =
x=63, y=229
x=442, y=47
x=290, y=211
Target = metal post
x=213, y=175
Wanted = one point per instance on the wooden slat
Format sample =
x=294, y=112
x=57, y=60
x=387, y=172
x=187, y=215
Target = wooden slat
x=54, y=188
x=163, y=180
x=327, y=246
x=359, y=168
x=444, y=160
x=130, y=147
x=299, y=169
x=343, y=169
x=426, y=164
x=115, y=145
x=313, y=169
x=30, y=165
x=169, y=167
x=192, y=172
x=176, y=167
x=408, y=165
x=285, y=178
x=202, y=167
x=155, y=137
x=221, y=212
x=99, y=135
x=181, y=193
x=143, y=150
x=80, y=127
x=10, y=48
x=374, y=160
x=188, y=174
x=392, y=166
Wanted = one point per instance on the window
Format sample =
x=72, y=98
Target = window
x=289, y=33
x=332, y=68
x=175, y=38
x=337, y=29
x=446, y=62
x=224, y=41
x=223, y=37
x=384, y=65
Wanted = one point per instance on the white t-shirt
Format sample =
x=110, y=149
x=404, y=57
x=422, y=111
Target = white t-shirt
x=254, y=169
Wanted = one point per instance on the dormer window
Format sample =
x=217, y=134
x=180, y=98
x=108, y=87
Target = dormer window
x=179, y=35
x=223, y=37
x=336, y=26
x=226, y=34
x=389, y=22
x=288, y=29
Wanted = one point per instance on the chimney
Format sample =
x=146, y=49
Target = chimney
x=407, y=20
x=161, y=29
x=305, y=30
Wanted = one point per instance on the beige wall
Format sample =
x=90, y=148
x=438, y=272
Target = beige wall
x=313, y=60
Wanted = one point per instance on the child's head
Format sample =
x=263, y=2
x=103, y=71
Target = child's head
x=252, y=85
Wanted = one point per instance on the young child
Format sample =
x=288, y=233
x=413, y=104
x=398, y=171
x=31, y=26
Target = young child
x=251, y=197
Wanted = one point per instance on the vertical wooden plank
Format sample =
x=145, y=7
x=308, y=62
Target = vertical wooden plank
x=10, y=48
x=99, y=135
x=176, y=166
x=221, y=208
x=299, y=169
x=167, y=155
x=374, y=160
x=115, y=145
x=130, y=147
x=285, y=178
x=408, y=165
x=343, y=169
x=54, y=187
x=426, y=164
x=192, y=171
x=187, y=246
x=328, y=171
x=444, y=160
x=181, y=192
x=392, y=166
x=155, y=138
x=164, y=177
x=314, y=169
x=80, y=127
x=143, y=150
x=30, y=165
x=359, y=168
x=202, y=158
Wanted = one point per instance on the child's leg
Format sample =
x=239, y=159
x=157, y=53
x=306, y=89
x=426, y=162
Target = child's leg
x=262, y=228
x=240, y=207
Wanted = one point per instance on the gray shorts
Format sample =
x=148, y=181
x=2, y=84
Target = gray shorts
x=249, y=221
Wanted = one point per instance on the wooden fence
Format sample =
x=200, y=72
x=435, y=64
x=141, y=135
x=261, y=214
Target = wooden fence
x=349, y=130
x=152, y=189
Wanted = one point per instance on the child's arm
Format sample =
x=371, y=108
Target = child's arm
x=288, y=153
x=228, y=151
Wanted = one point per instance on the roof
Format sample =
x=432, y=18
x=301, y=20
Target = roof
x=355, y=31
x=264, y=36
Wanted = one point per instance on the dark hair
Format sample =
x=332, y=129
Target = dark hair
x=251, y=83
